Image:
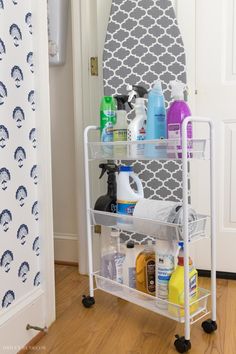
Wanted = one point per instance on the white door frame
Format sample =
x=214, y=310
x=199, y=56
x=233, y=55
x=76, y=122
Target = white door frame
x=44, y=157
x=81, y=86
x=87, y=89
x=38, y=306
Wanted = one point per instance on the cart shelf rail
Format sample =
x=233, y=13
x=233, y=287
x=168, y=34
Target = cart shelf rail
x=124, y=150
x=198, y=308
x=157, y=229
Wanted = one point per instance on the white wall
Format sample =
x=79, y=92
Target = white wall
x=63, y=157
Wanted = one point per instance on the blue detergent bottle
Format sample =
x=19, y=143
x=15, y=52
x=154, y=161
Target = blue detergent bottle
x=156, y=122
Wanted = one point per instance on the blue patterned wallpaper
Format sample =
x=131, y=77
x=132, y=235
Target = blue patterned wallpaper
x=19, y=209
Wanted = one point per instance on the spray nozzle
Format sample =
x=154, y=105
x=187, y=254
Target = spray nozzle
x=121, y=101
x=109, y=168
x=136, y=91
x=177, y=89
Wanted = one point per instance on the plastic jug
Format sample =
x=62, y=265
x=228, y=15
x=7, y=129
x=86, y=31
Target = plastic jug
x=126, y=196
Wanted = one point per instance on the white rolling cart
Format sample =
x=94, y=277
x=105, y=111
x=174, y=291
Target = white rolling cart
x=187, y=232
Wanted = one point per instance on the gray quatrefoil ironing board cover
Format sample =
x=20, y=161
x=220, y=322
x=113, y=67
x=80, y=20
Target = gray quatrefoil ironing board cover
x=143, y=43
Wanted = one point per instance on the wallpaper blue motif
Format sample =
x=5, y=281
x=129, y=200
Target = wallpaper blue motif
x=19, y=177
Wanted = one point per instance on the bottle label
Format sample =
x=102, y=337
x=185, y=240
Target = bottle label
x=150, y=276
x=160, y=117
x=119, y=260
x=107, y=133
x=174, y=131
x=165, y=267
x=137, y=150
x=175, y=134
x=126, y=207
x=120, y=134
x=132, y=277
x=113, y=208
x=192, y=290
x=108, y=114
x=193, y=286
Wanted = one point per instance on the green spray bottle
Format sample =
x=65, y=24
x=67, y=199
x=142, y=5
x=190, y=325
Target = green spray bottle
x=107, y=118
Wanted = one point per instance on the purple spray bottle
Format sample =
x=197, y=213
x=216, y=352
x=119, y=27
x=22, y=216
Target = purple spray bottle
x=177, y=112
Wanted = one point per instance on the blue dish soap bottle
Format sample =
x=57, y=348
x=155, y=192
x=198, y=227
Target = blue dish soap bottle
x=156, y=122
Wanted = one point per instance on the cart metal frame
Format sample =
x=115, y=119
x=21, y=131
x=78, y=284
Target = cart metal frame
x=185, y=159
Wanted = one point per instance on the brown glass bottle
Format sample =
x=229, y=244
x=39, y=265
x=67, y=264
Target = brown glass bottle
x=146, y=270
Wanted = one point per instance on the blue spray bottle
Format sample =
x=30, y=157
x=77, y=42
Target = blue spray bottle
x=156, y=121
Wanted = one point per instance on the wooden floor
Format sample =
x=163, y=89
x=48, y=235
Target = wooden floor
x=117, y=327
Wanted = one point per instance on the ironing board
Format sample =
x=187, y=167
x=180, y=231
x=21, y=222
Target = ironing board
x=143, y=43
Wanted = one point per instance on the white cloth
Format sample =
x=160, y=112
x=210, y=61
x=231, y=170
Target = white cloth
x=165, y=212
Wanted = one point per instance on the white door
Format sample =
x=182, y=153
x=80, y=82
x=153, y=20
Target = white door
x=215, y=97
x=26, y=235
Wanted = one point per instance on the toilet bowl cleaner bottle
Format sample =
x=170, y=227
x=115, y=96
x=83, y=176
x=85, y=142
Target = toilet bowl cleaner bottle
x=126, y=196
x=177, y=112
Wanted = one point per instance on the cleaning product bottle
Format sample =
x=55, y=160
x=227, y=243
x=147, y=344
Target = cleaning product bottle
x=137, y=127
x=107, y=118
x=176, y=286
x=156, y=122
x=126, y=196
x=129, y=265
x=177, y=112
x=120, y=128
x=146, y=270
x=108, y=201
x=112, y=258
x=165, y=265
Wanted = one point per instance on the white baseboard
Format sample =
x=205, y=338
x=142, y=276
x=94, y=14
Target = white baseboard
x=13, y=332
x=66, y=247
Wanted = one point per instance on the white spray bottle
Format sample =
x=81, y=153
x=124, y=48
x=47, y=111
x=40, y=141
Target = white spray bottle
x=137, y=128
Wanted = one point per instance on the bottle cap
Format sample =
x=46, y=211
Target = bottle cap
x=126, y=169
x=158, y=85
x=136, y=91
x=130, y=244
x=177, y=90
x=108, y=167
x=121, y=101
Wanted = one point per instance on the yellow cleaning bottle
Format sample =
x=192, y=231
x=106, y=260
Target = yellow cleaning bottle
x=176, y=286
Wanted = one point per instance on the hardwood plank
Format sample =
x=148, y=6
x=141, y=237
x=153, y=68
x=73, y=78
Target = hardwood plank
x=61, y=272
x=32, y=343
x=68, y=290
x=115, y=326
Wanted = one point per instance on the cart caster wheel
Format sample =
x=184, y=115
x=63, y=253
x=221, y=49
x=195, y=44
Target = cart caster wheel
x=88, y=301
x=182, y=345
x=209, y=326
